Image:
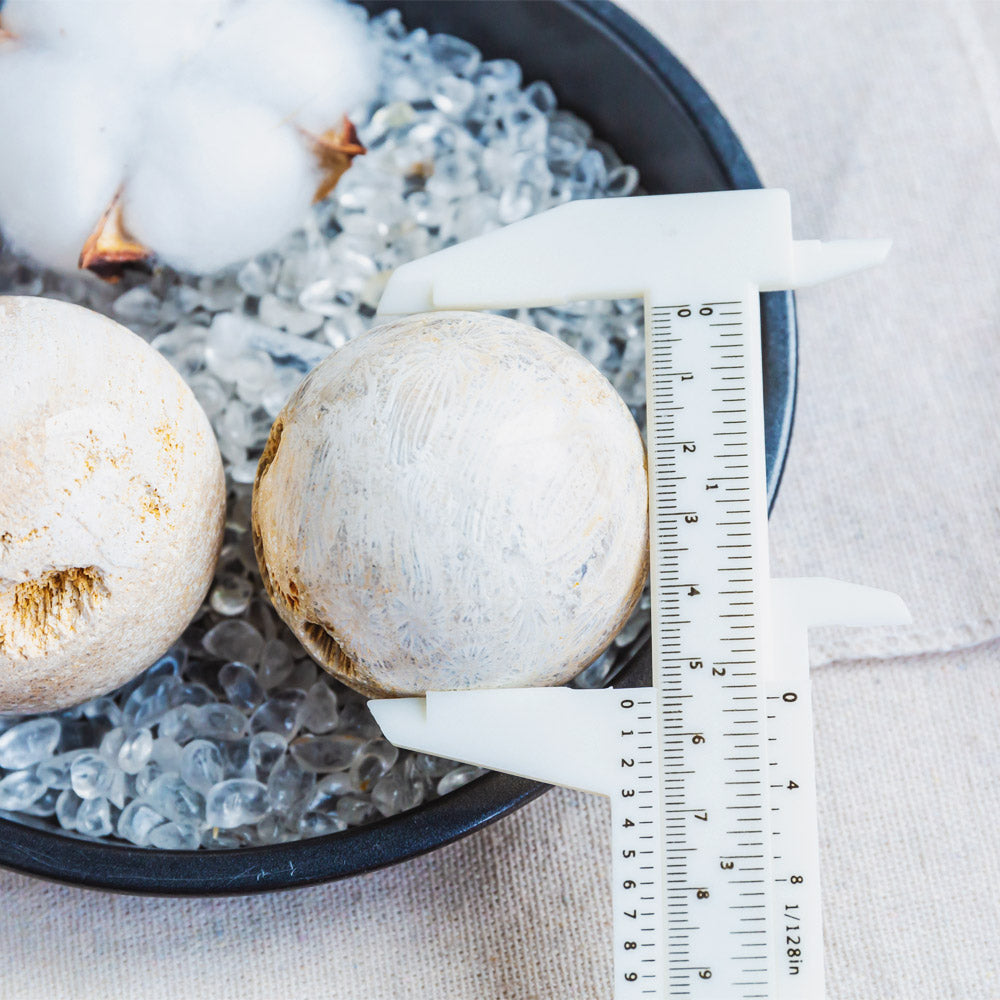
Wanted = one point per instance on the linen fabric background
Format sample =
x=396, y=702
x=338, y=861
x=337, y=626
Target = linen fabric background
x=881, y=119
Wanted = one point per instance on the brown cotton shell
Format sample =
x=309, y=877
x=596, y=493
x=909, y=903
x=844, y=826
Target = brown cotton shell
x=453, y=500
x=112, y=504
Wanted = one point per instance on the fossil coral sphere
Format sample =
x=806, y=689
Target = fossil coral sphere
x=112, y=503
x=453, y=500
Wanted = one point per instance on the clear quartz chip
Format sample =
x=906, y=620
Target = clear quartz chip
x=28, y=742
x=319, y=711
x=19, y=789
x=201, y=765
x=236, y=802
x=241, y=686
x=290, y=786
x=92, y=775
x=93, y=818
x=458, y=777
x=174, y=837
x=135, y=751
x=234, y=639
x=137, y=822
x=327, y=753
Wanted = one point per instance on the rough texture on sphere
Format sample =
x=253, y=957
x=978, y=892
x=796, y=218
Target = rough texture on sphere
x=453, y=500
x=112, y=503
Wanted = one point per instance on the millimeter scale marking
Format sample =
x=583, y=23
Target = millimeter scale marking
x=710, y=772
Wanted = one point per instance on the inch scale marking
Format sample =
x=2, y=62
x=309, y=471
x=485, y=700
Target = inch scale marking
x=704, y=426
x=714, y=867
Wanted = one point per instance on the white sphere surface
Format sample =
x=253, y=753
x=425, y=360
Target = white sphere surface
x=112, y=504
x=452, y=501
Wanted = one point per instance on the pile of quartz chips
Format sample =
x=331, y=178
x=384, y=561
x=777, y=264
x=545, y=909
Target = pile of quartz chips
x=234, y=737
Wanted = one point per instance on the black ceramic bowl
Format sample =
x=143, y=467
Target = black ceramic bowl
x=612, y=72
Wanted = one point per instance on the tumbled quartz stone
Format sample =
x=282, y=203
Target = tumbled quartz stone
x=395, y=793
x=326, y=753
x=234, y=639
x=67, y=806
x=371, y=761
x=433, y=767
x=241, y=686
x=217, y=838
x=236, y=802
x=167, y=753
x=290, y=786
x=146, y=776
x=55, y=772
x=455, y=779
x=137, y=822
x=174, y=799
x=28, y=742
x=103, y=710
x=276, y=663
x=236, y=762
x=174, y=837
x=319, y=824
x=266, y=749
x=231, y=594
x=179, y=723
x=149, y=702
x=45, y=805
x=93, y=818
x=279, y=714
x=92, y=775
x=218, y=721
x=20, y=789
x=454, y=54
x=318, y=713
x=112, y=742
x=201, y=765
x=135, y=751
x=328, y=790
x=189, y=695
x=355, y=810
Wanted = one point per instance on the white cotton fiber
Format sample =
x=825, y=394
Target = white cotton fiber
x=195, y=110
x=308, y=59
x=216, y=180
x=132, y=37
x=62, y=144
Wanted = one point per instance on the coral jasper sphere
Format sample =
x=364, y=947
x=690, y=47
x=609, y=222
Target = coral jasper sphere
x=454, y=500
x=112, y=504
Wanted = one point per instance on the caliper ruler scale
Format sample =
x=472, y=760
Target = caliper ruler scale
x=715, y=871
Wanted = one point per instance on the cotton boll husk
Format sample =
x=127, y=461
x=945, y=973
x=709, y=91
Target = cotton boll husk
x=149, y=35
x=63, y=133
x=215, y=180
x=311, y=60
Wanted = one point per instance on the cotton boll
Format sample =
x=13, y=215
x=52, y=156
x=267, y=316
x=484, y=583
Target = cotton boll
x=61, y=154
x=149, y=34
x=311, y=60
x=215, y=180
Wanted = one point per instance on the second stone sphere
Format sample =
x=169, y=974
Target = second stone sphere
x=453, y=501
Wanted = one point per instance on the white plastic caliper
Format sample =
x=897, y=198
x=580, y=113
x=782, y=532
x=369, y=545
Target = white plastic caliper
x=710, y=772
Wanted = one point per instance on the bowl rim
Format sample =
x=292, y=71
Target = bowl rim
x=63, y=857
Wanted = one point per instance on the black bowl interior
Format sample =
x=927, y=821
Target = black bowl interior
x=611, y=71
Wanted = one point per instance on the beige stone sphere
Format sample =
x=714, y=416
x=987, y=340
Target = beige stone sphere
x=112, y=504
x=453, y=500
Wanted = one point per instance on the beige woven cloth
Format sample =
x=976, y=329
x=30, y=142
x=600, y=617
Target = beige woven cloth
x=881, y=119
